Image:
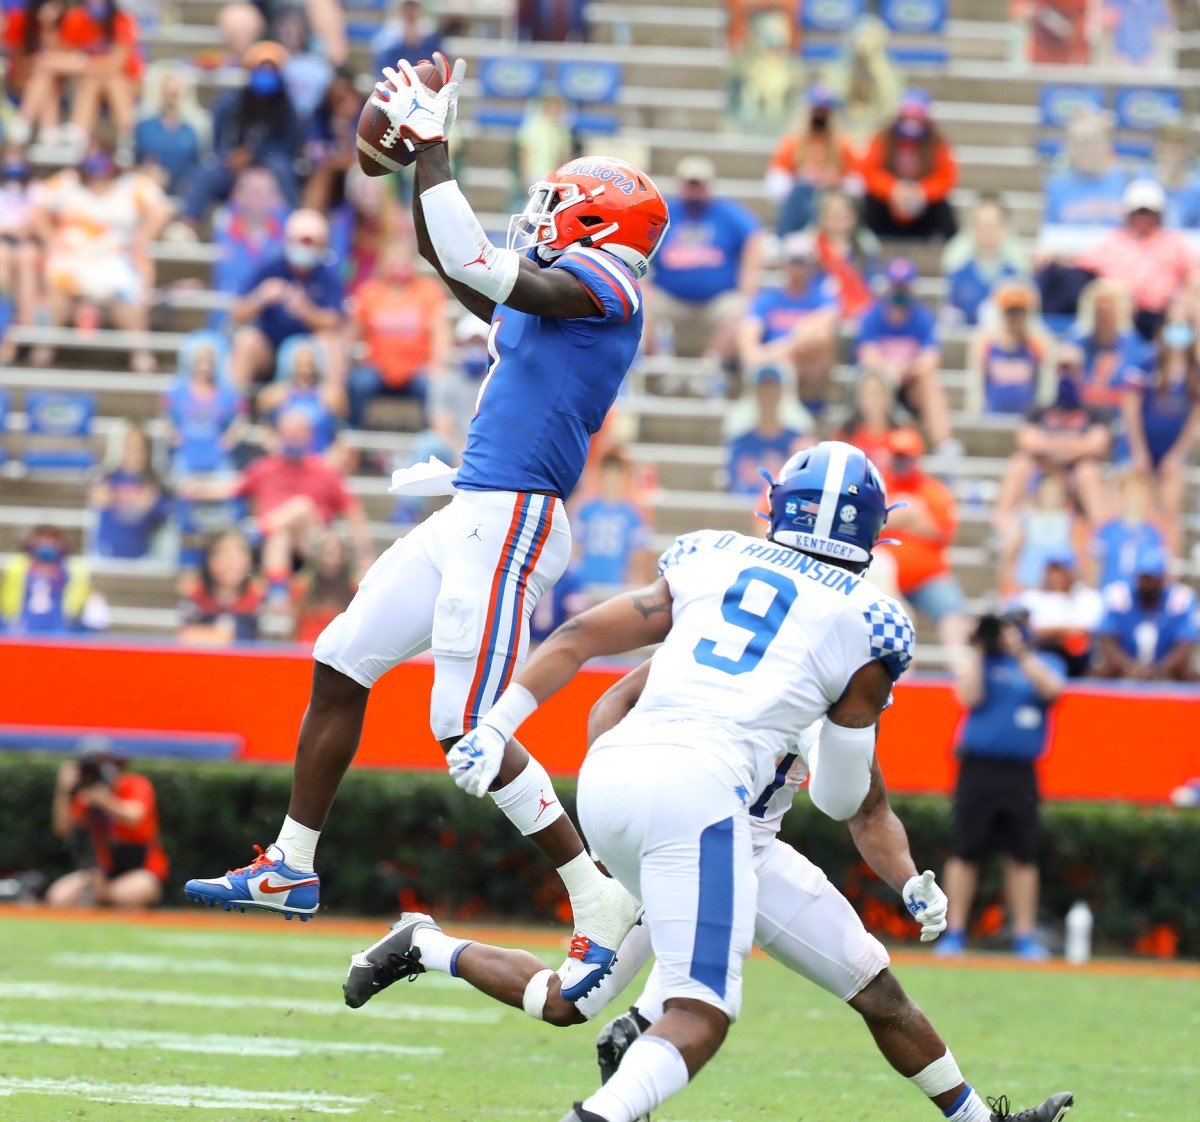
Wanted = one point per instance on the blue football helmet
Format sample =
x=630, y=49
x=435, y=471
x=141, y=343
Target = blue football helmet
x=829, y=500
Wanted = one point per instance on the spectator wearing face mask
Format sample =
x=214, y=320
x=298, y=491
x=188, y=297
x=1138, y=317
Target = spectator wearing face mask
x=254, y=125
x=978, y=259
x=293, y=493
x=46, y=591
x=205, y=415
x=809, y=160
x=1152, y=262
x=400, y=317
x=909, y=171
x=1150, y=627
x=898, y=337
x=294, y=292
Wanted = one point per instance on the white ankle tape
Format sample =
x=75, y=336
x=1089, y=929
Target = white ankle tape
x=534, y=999
x=940, y=1076
x=529, y=800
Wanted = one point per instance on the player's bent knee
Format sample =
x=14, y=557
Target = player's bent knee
x=333, y=688
x=882, y=998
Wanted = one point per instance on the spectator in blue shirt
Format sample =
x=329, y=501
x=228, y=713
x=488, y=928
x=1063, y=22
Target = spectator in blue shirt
x=1150, y=626
x=296, y=292
x=1119, y=541
x=411, y=35
x=1007, y=690
x=1173, y=170
x=302, y=384
x=613, y=538
x=174, y=131
x=567, y=599
x=1139, y=29
x=979, y=258
x=307, y=73
x=899, y=337
x=246, y=231
x=1011, y=359
x=796, y=324
x=771, y=441
x=1102, y=345
x=1089, y=190
x=707, y=268
x=203, y=411
x=256, y=124
x=129, y=502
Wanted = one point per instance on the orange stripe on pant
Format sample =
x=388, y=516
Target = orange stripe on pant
x=518, y=613
x=481, y=662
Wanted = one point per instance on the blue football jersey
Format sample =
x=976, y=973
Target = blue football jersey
x=552, y=382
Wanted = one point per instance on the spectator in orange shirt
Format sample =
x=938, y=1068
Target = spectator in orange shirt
x=400, y=315
x=812, y=158
x=909, y=172
x=110, y=818
x=293, y=494
x=925, y=529
x=324, y=588
x=111, y=71
x=1152, y=262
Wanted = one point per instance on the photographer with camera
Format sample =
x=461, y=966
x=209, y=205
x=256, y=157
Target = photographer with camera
x=109, y=818
x=1008, y=690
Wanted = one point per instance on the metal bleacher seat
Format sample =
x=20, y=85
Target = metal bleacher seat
x=58, y=431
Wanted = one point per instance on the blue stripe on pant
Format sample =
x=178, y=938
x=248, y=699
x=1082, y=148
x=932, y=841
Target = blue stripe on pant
x=714, y=909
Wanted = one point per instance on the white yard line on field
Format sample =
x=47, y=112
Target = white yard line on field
x=213, y=1043
x=182, y=1094
x=394, y=1011
x=166, y=964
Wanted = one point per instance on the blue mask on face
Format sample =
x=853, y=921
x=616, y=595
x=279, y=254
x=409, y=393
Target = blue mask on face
x=46, y=552
x=265, y=81
x=98, y=164
x=1178, y=336
x=15, y=171
x=294, y=451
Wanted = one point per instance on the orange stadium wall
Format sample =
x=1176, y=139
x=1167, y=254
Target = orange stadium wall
x=1105, y=743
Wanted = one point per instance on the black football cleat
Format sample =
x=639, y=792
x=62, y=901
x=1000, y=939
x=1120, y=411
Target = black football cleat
x=387, y=961
x=578, y=1114
x=614, y=1041
x=1054, y=1108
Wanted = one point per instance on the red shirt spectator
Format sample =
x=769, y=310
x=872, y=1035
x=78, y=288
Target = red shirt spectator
x=120, y=847
x=81, y=31
x=271, y=480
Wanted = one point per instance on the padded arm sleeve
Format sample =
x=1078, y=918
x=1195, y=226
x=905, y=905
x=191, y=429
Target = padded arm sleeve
x=840, y=769
x=464, y=250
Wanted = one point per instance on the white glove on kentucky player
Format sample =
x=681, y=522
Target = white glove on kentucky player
x=416, y=112
x=475, y=760
x=927, y=903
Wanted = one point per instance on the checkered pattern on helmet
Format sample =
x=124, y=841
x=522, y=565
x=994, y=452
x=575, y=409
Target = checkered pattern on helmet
x=892, y=635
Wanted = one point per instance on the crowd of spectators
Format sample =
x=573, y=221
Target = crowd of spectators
x=1081, y=347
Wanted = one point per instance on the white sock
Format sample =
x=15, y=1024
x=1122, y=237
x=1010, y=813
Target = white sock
x=298, y=845
x=529, y=800
x=651, y=1071
x=632, y=955
x=582, y=879
x=439, y=951
x=969, y=1108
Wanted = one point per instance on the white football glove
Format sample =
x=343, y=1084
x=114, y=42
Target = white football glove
x=927, y=904
x=475, y=760
x=418, y=114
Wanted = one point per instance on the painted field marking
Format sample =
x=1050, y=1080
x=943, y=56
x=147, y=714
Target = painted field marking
x=53, y=991
x=213, y=1043
x=182, y=1094
x=167, y=964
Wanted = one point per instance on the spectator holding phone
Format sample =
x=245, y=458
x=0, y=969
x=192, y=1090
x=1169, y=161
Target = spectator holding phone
x=109, y=817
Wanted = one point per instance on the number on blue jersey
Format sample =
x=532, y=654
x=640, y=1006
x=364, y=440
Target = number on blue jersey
x=763, y=627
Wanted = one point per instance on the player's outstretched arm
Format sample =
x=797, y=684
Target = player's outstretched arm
x=466, y=257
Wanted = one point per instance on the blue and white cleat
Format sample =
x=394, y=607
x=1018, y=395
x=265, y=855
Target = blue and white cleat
x=600, y=924
x=267, y=884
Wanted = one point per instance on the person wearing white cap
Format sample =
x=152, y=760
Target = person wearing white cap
x=707, y=269
x=1152, y=262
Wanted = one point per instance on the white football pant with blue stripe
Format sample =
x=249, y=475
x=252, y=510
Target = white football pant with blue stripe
x=462, y=584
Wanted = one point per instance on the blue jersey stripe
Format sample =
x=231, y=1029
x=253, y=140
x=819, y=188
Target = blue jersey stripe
x=505, y=566
x=714, y=910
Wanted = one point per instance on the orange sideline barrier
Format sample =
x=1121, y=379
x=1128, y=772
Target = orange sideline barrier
x=1105, y=743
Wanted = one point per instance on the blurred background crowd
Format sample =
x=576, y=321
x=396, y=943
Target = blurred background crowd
x=218, y=340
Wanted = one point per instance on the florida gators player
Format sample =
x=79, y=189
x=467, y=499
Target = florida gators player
x=565, y=309
x=760, y=640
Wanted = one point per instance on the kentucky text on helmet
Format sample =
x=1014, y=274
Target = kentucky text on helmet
x=617, y=178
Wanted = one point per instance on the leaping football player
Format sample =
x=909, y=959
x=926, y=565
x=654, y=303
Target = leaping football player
x=565, y=308
x=759, y=639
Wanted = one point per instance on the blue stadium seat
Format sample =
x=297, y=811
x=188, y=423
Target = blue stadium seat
x=508, y=79
x=585, y=84
x=923, y=22
x=61, y=426
x=1146, y=108
x=825, y=24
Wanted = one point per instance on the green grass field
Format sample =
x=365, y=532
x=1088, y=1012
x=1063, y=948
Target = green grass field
x=236, y=1019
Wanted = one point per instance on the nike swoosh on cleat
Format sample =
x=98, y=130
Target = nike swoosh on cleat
x=363, y=961
x=268, y=887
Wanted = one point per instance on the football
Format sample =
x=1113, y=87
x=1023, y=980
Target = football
x=376, y=157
